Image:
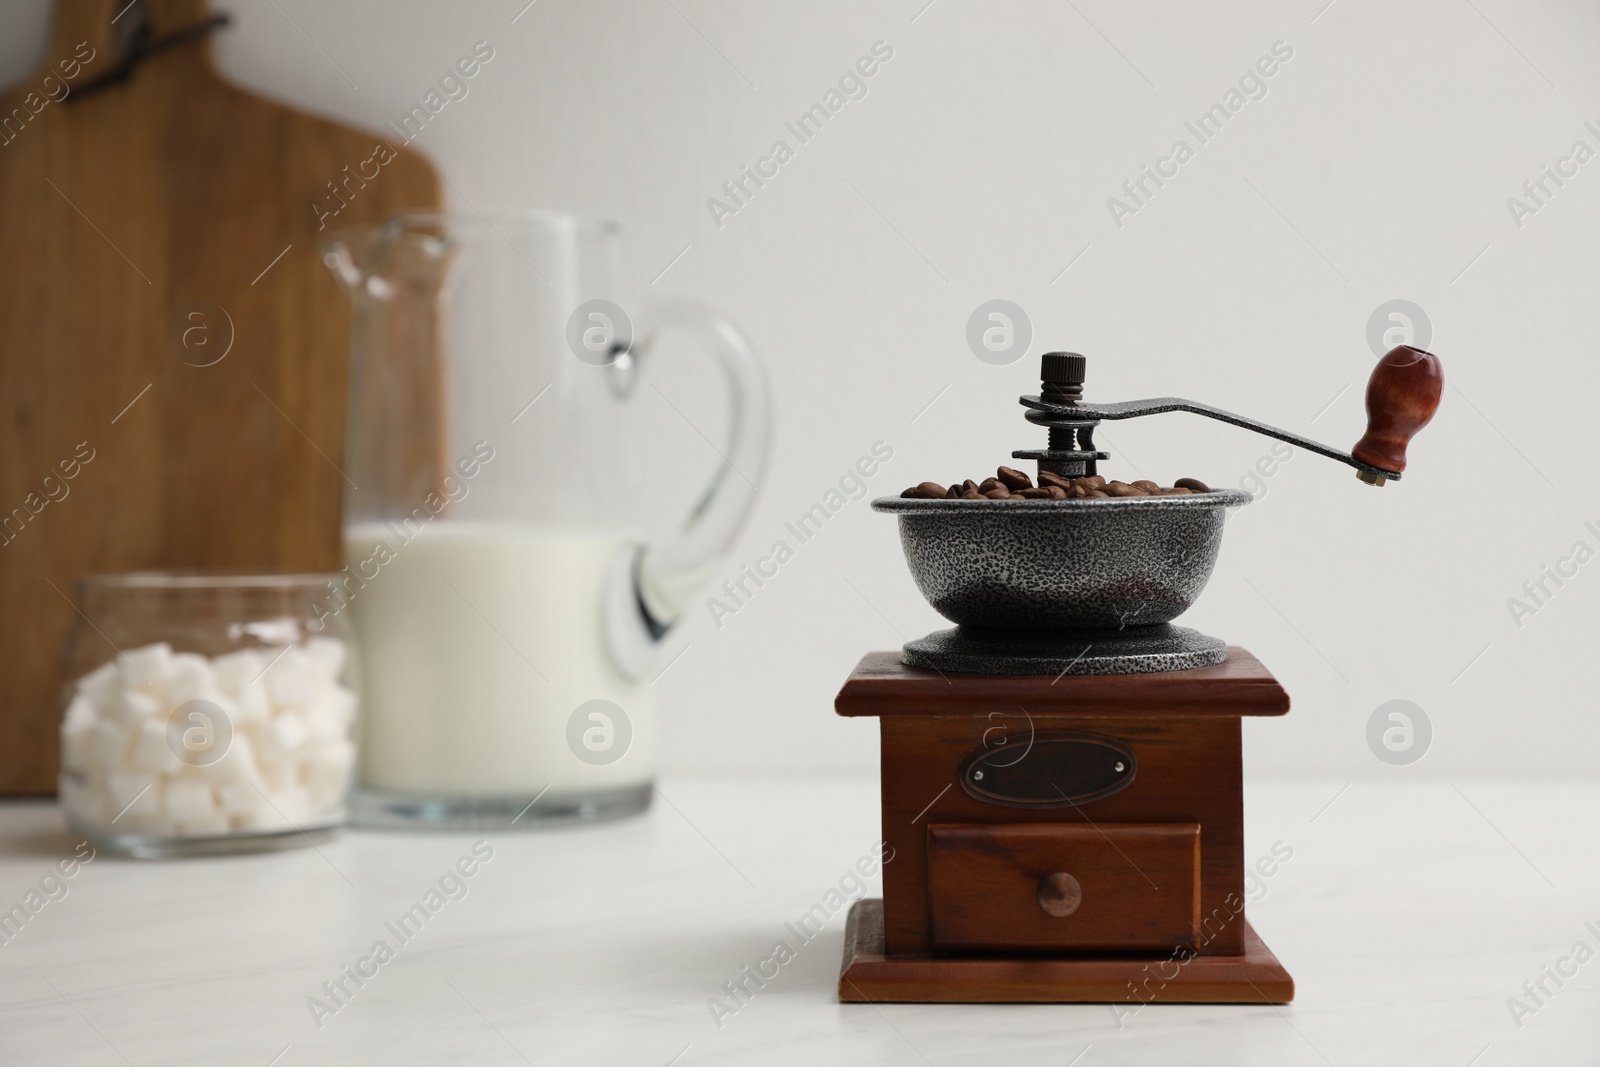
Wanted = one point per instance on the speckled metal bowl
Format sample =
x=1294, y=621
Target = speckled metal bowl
x=1100, y=563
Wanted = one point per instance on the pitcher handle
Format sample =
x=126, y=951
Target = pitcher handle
x=652, y=585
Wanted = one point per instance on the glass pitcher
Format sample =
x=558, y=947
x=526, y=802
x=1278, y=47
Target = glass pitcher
x=508, y=614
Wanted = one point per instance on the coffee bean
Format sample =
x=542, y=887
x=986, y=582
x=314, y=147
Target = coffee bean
x=1013, y=479
x=925, y=491
x=1012, y=484
x=1052, y=478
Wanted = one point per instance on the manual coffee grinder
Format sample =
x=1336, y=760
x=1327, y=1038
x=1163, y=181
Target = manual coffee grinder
x=1061, y=771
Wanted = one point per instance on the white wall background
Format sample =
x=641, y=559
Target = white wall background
x=1377, y=167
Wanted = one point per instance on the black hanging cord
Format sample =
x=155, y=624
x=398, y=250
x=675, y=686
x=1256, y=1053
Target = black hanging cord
x=135, y=43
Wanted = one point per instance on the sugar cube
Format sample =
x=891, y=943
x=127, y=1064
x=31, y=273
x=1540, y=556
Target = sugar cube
x=146, y=667
x=236, y=762
x=100, y=684
x=108, y=746
x=86, y=803
x=327, y=656
x=188, y=799
x=326, y=772
x=277, y=771
x=235, y=670
x=289, y=680
x=189, y=676
x=288, y=807
x=339, y=704
x=284, y=734
x=136, y=798
x=80, y=714
x=326, y=719
x=151, y=750
x=131, y=706
x=77, y=733
x=241, y=797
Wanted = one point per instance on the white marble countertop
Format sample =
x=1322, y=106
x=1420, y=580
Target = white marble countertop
x=1410, y=912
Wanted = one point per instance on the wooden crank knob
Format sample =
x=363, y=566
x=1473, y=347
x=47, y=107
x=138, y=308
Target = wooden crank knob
x=1402, y=395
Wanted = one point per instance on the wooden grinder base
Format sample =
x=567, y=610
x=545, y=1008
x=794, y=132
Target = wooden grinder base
x=868, y=975
x=1058, y=840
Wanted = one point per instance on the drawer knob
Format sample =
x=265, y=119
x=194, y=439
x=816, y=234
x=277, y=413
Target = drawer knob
x=1060, y=894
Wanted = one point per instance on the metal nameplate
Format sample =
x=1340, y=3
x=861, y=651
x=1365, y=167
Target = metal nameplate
x=1052, y=771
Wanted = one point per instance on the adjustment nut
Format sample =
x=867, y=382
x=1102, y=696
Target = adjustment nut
x=1062, y=368
x=1061, y=374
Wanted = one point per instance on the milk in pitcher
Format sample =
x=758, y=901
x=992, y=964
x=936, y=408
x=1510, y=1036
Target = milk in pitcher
x=479, y=641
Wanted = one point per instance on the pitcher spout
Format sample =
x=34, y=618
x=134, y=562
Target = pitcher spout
x=407, y=252
x=342, y=253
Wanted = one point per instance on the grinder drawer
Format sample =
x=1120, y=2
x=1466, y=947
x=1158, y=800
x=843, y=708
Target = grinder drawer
x=1055, y=886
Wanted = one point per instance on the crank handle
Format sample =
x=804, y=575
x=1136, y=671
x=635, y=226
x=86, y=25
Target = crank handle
x=1402, y=396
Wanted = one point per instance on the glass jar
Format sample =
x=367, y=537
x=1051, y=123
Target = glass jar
x=206, y=713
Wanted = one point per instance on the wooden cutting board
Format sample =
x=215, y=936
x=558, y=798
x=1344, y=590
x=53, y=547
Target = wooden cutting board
x=126, y=211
